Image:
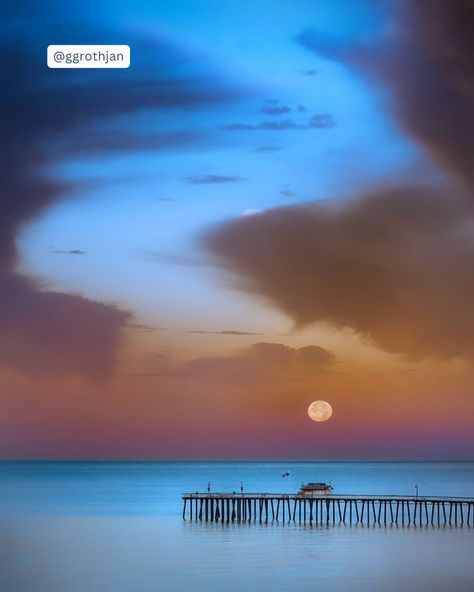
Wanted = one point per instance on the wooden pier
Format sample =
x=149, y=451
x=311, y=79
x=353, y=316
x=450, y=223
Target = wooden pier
x=328, y=509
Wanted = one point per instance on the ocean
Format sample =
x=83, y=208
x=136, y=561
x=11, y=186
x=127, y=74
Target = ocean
x=117, y=526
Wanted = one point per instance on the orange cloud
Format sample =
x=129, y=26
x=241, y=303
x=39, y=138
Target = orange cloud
x=395, y=266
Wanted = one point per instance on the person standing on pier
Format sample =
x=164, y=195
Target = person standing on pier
x=208, y=487
x=241, y=487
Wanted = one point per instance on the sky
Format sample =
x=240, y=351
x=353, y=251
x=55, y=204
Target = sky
x=273, y=205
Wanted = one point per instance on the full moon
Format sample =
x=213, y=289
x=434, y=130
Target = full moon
x=320, y=411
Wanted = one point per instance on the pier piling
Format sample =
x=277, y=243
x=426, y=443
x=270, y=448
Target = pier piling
x=321, y=509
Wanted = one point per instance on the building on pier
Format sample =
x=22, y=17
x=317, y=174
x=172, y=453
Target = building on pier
x=315, y=489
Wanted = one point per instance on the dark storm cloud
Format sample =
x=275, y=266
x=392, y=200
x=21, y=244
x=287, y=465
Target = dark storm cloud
x=397, y=267
x=45, y=114
x=212, y=179
x=425, y=61
x=318, y=121
x=53, y=334
x=262, y=362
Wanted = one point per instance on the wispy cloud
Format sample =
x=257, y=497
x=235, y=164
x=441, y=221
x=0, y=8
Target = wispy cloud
x=145, y=327
x=70, y=252
x=318, y=121
x=212, y=179
x=275, y=109
x=225, y=332
x=288, y=193
x=265, y=149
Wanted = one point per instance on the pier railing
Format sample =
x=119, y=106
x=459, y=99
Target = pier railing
x=328, y=508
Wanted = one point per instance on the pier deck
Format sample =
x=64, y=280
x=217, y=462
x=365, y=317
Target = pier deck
x=328, y=509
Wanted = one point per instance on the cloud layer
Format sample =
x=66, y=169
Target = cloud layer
x=46, y=114
x=260, y=363
x=394, y=266
x=53, y=334
x=424, y=62
x=212, y=179
x=318, y=121
x=397, y=266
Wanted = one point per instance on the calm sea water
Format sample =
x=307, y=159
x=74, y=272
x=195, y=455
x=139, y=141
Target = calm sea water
x=90, y=527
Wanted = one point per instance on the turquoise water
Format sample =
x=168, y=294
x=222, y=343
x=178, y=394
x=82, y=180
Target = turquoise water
x=117, y=526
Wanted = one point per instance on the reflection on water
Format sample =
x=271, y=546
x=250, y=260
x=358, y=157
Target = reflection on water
x=90, y=527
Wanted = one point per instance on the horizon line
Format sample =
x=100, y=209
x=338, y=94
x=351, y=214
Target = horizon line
x=232, y=460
